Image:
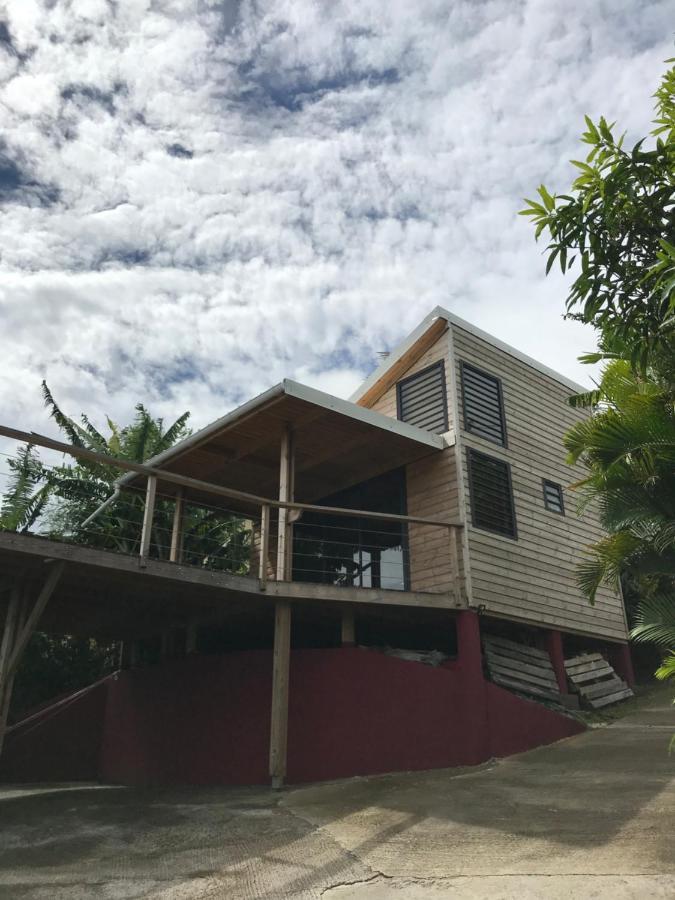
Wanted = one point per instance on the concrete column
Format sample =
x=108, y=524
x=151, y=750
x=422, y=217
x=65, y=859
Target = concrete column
x=554, y=645
x=473, y=686
x=620, y=659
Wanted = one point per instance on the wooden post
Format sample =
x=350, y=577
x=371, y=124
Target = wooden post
x=280, y=679
x=264, y=545
x=24, y=634
x=16, y=634
x=148, y=513
x=176, y=551
x=8, y=637
x=348, y=627
x=286, y=477
x=282, y=623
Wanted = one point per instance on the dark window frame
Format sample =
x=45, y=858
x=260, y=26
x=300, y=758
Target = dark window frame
x=472, y=493
x=500, y=392
x=440, y=364
x=546, y=482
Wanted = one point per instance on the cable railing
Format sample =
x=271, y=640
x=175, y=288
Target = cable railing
x=238, y=532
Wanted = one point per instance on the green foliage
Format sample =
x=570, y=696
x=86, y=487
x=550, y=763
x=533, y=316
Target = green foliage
x=617, y=227
x=57, y=499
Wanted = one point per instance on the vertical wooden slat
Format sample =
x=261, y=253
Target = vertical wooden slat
x=148, y=513
x=280, y=681
x=176, y=551
x=264, y=545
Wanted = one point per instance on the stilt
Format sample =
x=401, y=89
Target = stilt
x=554, y=645
x=282, y=622
x=622, y=663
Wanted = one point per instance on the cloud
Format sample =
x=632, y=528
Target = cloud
x=203, y=197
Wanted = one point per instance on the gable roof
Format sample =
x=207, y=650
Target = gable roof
x=405, y=353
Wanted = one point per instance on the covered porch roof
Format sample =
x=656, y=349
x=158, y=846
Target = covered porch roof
x=336, y=444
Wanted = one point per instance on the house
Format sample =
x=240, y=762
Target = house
x=430, y=512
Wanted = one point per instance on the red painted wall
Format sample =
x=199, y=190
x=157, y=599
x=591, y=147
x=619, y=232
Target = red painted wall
x=60, y=743
x=205, y=720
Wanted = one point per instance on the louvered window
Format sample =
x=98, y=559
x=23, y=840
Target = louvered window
x=553, y=497
x=422, y=399
x=483, y=405
x=491, y=494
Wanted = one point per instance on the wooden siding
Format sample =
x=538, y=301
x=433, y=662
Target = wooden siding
x=432, y=487
x=532, y=579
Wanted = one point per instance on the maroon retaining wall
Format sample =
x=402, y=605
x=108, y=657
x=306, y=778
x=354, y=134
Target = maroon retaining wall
x=62, y=742
x=205, y=720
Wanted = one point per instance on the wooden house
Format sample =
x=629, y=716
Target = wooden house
x=429, y=513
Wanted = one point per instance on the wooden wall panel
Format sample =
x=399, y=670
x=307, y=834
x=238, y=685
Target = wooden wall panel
x=532, y=579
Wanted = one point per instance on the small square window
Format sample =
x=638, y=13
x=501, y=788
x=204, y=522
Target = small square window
x=553, y=497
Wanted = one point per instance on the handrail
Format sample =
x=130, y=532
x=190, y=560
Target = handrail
x=196, y=484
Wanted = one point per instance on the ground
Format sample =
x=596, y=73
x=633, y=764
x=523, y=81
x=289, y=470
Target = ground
x=591, y=817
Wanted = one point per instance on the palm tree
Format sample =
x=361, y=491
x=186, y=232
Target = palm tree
x=58, y=499
x=628, y=447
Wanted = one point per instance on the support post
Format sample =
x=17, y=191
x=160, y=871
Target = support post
x=348, y=627
x=176, y=551
x=620, y=659
x=282, y=622
x=554, y=645
x=9, y=634
x=24, y=635
x=286, y=477
x=280, y=679
x=264, y=545
x=148, y=513
x=469, y=654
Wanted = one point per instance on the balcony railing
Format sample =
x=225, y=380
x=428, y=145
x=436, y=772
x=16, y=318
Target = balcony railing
x=270, y=542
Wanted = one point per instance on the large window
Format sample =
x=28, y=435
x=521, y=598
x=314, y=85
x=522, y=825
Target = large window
x=355, y=550
x=483, y=404
x=422, y=399
x=491, y=494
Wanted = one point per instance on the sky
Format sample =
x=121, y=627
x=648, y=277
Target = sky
x=200, y=198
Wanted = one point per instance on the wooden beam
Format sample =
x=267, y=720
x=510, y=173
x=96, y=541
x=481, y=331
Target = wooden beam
x=176, y=551
x=280, y=682
x=348, y=628
x=148, y=515
x=33, y=617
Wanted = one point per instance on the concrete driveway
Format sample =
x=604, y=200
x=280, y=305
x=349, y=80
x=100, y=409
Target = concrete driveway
x=593, y=816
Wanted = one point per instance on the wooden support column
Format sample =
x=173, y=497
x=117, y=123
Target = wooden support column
x=282, y=623
x=148, y=514
x=286, y=478
x=454, y=535
x=264, y=545
x=348, y=627
x=554, y=645
x=280, y=679
x=176, y=551
x=19, y=626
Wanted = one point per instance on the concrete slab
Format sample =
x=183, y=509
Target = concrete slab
x=593, y=816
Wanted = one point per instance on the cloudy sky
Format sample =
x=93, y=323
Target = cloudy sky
x=200, y=198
